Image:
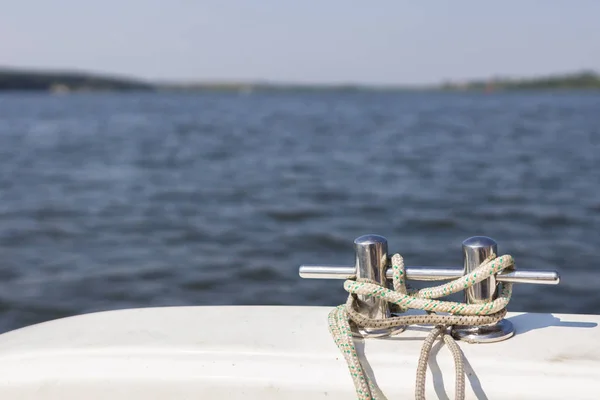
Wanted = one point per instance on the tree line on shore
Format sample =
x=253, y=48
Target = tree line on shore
x=63, y=82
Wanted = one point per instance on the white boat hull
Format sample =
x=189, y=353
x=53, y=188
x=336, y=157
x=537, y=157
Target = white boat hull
x=282, y=353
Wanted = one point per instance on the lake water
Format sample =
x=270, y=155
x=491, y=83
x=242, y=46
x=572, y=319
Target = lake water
x=110, y=201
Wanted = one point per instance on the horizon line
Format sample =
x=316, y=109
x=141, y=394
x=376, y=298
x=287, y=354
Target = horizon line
x=267, y=82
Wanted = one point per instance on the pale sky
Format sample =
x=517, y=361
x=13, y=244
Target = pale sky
x=304, y=41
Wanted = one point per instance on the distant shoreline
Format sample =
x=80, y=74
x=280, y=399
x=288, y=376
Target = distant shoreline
x=64, y=82
x=73, y=82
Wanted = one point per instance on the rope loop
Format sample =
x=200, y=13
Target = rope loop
x=426, y=300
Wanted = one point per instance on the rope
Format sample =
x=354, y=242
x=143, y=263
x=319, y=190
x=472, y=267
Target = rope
x=487, y=313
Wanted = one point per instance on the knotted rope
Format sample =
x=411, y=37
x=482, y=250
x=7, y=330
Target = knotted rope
x=460, y=314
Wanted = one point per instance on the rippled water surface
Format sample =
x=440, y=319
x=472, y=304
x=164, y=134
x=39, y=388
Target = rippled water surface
x=111, y=201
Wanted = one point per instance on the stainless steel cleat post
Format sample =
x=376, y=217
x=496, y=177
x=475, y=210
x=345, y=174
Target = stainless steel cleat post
x=372, y=263
x=475, y=250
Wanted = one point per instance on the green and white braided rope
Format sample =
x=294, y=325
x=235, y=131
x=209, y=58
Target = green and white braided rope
x=460, y=314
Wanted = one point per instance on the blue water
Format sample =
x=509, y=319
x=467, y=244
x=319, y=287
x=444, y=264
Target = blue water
x=110, y=201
